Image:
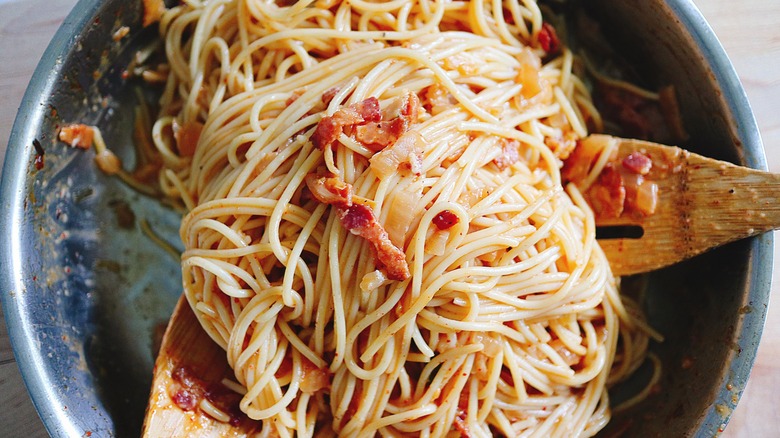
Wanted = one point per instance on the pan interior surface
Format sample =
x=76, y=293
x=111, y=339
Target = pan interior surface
x=90, y=291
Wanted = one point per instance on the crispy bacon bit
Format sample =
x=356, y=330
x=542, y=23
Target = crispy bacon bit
x=187, y=137
x=330, y=127
x=313, y=379
x=510, y=154
x=395, y=121
x=445, y=220
x=548, y=39
x=369, y=110
x=77, y=135
x=153, y=11
x=326, y=133
x=329, y=95
x=348, y=116
x=406, y=153
x=638, y=163
x=407, y=106
x=608, y=194
x=330, y=190
x=360, y=221
x=410, y=108
x=376, y=136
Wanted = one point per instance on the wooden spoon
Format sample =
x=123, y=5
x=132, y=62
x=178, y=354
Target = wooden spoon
x=702, y=204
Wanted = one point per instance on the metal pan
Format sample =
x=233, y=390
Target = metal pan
x=84, y=289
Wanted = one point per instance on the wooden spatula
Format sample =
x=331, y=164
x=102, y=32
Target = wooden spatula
x=702, y=203
x=186, y=345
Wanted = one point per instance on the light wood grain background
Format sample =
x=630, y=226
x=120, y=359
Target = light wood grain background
x=748, y=29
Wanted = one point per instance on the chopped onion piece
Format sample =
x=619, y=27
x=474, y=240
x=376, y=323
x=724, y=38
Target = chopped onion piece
x=405, y=153
x=373, y=281
x=647, y=197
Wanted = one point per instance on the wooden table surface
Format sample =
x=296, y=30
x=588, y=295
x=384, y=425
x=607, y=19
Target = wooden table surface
x=749, y=30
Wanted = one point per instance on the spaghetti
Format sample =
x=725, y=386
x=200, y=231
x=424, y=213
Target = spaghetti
x=376, y=230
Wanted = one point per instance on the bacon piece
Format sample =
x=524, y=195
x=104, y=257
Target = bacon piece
x=330, y=190
x=510, y=154
x=407, y=106
x=361, y=221
x=548, y=39
x=638, y=163
x=347, y=116
x=608, y=193
x=330, y=128
x=369, y=109
x=326, y=133
x=395, y=121
x=77, y=135
x=445, y=220
x=376, y=136
x=406, y=153
x=410, y=109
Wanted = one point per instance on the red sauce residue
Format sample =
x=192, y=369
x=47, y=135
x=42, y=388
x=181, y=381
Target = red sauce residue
x=189, y=390
x=445, y=220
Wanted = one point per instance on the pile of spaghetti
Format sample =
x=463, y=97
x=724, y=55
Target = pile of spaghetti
x=377, y=232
